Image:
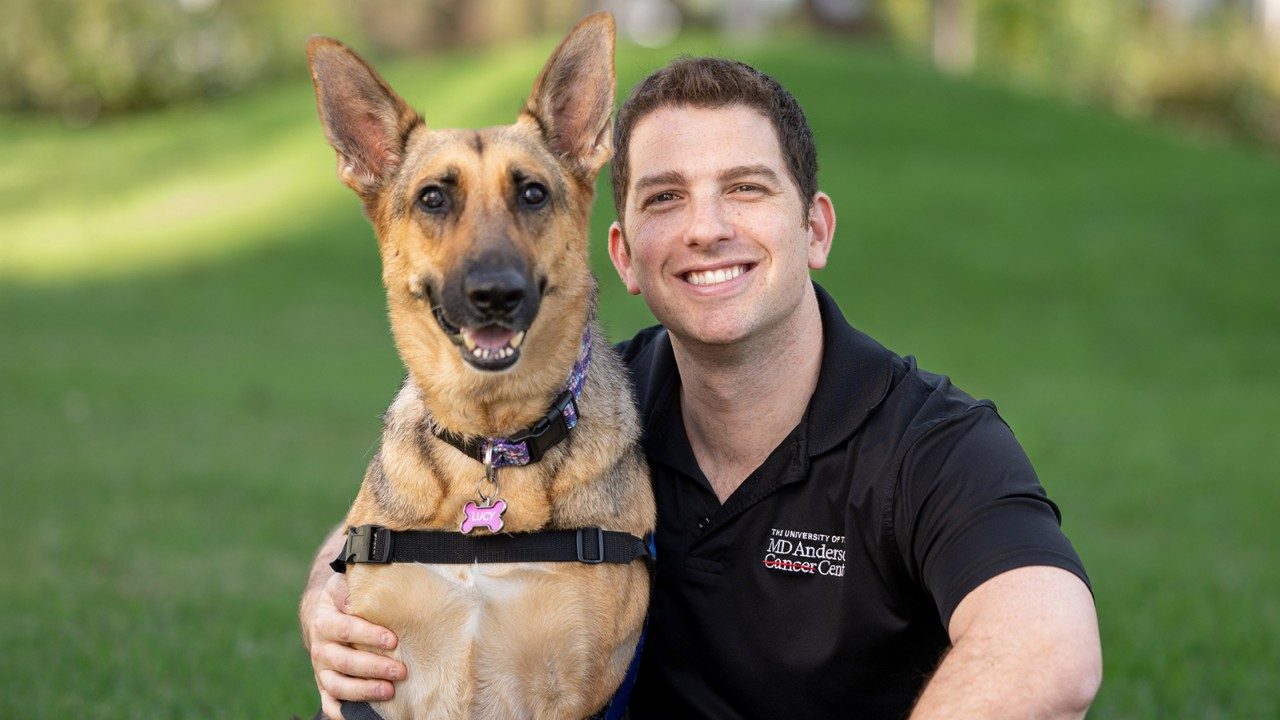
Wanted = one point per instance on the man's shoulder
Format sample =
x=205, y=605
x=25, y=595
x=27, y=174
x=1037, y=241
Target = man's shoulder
x=648, y=360
x=936, y=397
x=865, y=386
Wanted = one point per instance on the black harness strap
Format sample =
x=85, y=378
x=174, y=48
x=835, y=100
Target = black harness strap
x=352, y=710
x=377, y=544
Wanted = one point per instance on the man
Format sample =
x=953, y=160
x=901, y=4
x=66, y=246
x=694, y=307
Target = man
x=839, y=532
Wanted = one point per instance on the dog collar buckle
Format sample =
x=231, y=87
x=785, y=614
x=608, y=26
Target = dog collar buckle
x=550, y=429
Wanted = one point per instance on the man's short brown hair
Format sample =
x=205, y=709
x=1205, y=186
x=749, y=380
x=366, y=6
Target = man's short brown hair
x=708, y=82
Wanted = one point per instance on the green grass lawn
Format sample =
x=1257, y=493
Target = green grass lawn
x=194, y=354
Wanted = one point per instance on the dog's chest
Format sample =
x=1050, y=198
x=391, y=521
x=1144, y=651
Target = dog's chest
x=451, y=608
x=489, y=582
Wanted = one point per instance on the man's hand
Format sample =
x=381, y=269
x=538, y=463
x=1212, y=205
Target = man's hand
x=341, y=671
x=1024, y=645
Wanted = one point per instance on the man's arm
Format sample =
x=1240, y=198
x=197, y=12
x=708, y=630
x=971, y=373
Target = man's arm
x=341, y=671
x=1024, y=645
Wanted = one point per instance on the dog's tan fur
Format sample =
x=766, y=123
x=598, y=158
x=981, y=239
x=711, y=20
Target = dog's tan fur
x=549, y=640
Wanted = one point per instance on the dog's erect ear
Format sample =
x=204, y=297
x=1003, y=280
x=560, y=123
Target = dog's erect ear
x=572, y=101
x=363, y=118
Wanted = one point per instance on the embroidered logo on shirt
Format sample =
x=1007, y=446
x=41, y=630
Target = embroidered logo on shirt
x=806, y=553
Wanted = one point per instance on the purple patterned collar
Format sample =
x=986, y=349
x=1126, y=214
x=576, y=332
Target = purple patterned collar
x=529, y=445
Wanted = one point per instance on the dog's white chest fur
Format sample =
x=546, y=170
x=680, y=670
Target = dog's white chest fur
x=499, y=640
x=488, y=582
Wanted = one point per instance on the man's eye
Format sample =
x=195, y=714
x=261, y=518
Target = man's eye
x=533, y=196
x=433, y=199
x=746, y=187
x=661, y=197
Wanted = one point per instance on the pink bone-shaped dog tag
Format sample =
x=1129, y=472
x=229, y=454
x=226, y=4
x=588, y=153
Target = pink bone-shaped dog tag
x=486, y=516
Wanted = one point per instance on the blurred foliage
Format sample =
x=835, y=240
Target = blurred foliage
x=1208, y=63
x=86, y=58
x=415, y=26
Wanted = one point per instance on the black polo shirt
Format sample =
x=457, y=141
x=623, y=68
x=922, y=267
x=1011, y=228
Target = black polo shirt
x=823, y=585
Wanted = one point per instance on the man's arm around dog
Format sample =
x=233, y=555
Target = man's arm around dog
x=328, y=631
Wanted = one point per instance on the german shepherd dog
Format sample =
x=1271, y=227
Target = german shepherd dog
x=483, y=239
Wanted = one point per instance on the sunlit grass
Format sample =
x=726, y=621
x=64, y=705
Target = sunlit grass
x=197, y=184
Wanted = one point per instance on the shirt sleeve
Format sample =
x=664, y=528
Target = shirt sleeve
x=970, y=507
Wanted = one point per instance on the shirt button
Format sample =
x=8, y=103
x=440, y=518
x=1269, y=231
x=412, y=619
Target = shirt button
x=703, y=523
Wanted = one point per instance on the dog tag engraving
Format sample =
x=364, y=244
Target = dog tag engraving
x=485, y=516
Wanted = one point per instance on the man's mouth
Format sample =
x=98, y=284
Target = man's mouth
x=715, y=277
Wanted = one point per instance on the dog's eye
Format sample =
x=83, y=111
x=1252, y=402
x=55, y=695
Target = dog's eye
x=433, y=200
x=533, y=195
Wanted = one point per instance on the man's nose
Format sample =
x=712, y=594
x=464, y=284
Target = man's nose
x=708, y=222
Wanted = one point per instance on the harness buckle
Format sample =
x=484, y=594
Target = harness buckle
x=583, y=544
x=368, y=544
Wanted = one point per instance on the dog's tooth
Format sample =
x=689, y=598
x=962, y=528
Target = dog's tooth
x=517, y=339
x=466, y=340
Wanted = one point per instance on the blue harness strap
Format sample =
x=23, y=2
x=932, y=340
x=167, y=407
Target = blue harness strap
x=617, y=707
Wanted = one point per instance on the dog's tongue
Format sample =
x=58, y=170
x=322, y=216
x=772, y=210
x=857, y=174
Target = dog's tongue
x=490, y=337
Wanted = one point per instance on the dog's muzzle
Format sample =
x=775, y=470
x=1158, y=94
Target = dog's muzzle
x=487, y=311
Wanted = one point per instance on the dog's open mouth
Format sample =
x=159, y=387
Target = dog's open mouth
x=491, y=347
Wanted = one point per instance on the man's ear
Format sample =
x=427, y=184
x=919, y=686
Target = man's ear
x=363, y=118
x=822, y=229
x=572, y=101
x=620, y=254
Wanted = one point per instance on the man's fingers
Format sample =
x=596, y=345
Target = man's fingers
x=357, y=663
x=331, y=708
x=336, y=588
x=349, y=629
x=338, y=685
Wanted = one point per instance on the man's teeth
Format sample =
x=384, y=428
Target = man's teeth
x=711, y=277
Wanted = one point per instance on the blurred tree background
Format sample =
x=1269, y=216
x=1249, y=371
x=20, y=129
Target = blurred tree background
x=1210, y=64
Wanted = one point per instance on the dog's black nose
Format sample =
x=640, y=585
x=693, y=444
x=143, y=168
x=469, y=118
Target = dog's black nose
x=495, y=291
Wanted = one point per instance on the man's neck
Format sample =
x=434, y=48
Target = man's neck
x=739, y=402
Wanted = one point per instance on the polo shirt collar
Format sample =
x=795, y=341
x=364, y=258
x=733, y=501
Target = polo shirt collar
x=855, y=376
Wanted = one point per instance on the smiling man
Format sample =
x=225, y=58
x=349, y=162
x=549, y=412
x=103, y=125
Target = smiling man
x=839, y=531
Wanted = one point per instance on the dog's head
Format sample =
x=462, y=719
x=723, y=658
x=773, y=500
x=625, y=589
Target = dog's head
x=483, y=234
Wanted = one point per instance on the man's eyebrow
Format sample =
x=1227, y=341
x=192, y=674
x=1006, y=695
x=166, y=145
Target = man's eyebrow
x=742, y=171
x=670, y=177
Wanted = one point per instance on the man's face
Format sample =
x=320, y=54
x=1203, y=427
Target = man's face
x=713, y=237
